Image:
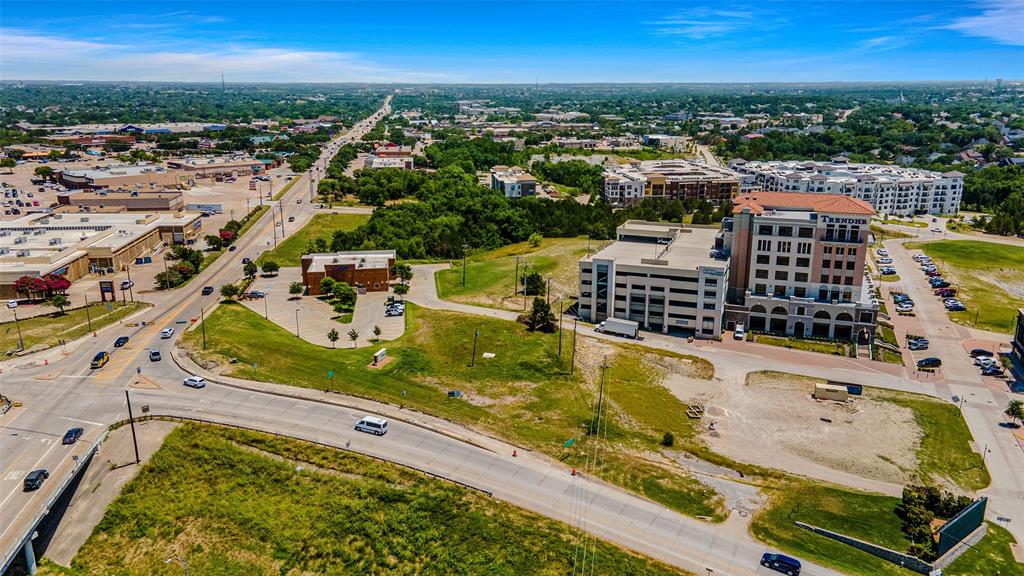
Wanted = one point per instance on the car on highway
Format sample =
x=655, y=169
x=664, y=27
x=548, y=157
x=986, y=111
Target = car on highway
x=207, y=290
x=72, y=436
x=121, y=341
x=99, y=360
x=195, y=382
x=232, y=248
x=930, y=362
x=372, y=425
x=166, y=333
x=980, y=352
x=291, y=218
x=35, y=479
x=154, y=355
x=781, y=563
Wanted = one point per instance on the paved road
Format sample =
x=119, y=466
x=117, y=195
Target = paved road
x=707, y=156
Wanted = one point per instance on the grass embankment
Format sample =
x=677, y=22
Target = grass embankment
x=832, y=347
x=881, y=234
x=233, y=502
x=291, y=250
x=989, y=277
x=910, y=222
x=280, y=193
x=491, y=276
x=48, y=330
x=886, y=334
x=209, y=257
x=525, y=394
x=870, y=517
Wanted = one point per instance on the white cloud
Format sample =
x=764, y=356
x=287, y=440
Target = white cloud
x=700, y=23
x=883, y=43
x=1001, y=21
x=30, y=56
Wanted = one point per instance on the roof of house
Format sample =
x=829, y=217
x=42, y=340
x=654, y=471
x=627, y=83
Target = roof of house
x=758, y=202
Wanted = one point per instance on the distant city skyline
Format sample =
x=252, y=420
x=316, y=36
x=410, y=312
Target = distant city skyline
x=512, y=42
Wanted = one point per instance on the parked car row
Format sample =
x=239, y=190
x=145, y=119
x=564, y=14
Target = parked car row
x=395, y=309
x=904, y=304
x=917, y=343
x=940, y=285
x=987, y=362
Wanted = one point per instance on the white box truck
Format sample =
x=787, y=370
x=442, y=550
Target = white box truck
x=626, y=328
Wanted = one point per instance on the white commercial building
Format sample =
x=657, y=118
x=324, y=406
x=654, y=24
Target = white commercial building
x=666, y=277
x=890, y=189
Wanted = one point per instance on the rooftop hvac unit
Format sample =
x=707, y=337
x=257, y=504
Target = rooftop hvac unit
x=22, y=253
x=39, y=231
x=83, y=219
x=20, y=240
x=4, y=251
x=5, y=232
x=54, y=241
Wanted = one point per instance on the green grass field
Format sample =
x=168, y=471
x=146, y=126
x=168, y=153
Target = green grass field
x=821, y=346
x=491, y=276
x=990, y=278
x=48, y=330
x=288, y=252
x=870, y=517
x=525, y=394
x=233, y=503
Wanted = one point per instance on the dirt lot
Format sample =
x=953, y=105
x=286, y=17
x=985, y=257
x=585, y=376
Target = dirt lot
x=772, y=420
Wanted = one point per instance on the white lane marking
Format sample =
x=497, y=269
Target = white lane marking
x=15, y=474
x=90, y=422
x=13, y=492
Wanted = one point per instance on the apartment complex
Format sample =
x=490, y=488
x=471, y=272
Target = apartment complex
x=126, y=200
x=891, y=189
x=514, y=182
x=667, y=277
x=137, y=176
x=369, y=270
x=74, y=245
x=796, y=265
x=630, y=183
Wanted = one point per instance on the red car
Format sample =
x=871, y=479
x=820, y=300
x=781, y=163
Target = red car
x=945, y=292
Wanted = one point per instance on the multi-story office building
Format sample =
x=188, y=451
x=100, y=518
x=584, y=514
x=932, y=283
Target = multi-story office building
x=666, y=277
x=514, y=182
x=796, y=265
x=891, y=189
x=1018, y=337
x=631, y=183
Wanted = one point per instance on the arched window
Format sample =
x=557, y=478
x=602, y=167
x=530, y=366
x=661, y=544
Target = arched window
x=779, y=311
x=844, y=317
x=758, y=309
x=822, y=315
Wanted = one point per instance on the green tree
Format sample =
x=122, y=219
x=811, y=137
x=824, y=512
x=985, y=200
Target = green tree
x=669, y=439
x=403, y=272
x=59, y=301
x=533, y=284
x=250, y=269
x=376, y=332
x=270, y=267
x=401, y=289
x=1015, y=410
x=8, y=163
x=43, y=171
x=333, y=336
x=327, y=285
x=353, y=336
x=169, y=279
x=296, y=288
x=344, y=294
x=229, y=291
x=535, y=239
x=541, y=317
x=213, y=241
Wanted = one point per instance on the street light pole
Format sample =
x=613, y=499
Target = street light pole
x=131, y=420
x=297, y=323
x=515, y=290
x=476, y=335
x=179, y=560
x=88, y=316
x=572, y=366
x=21, y=342
x=202, y=324
x=130, y=292
x=526, y=268
x=559, y=304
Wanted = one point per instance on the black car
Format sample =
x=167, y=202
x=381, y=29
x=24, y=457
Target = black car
x=246, y=260
x=992, y=370
x=121, y=341
x=35, y=479
x=979, y=352
x=207, y=290
x=931, y=362
x=72, y=436
x=781, y=563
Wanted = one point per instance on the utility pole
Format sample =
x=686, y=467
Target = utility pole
x=526, y=268
x=476, y=335
x=515, y=290
x=21, y=342
x=297, y=323
x=572, y=365
x=281, y=206
x=128, y=269
x=464, y=248
x=559, y=304
x=202, y=324
x=88, y=316
x=131, y=420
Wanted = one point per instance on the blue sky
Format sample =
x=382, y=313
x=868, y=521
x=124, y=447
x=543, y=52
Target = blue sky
x=525, y=41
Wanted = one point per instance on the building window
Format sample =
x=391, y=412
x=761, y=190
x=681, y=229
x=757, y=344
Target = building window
x=764, y=230
x=851, y=264
x=826, y=264
x=785, y=246
x=836, y=279
x=823, y=294
x=760, y=288
x=840, y=250
x=711, y=281
x=848, y=281
x=782, y=260
x=764, y=245
x=828, y=250
x=800, y=277
x=763, y=259
x=803, y=262
x=865, y=317
x=761, y=273
x=786, y=231
x=780, y=292
x=806, y=233
x=709, y=305
x=852, y=252
x=823, y=279
x=803, y=248
x=800, y=292
x=711, y=295
x=781, y=275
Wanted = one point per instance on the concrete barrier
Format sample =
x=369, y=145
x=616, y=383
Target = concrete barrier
x=897, y=558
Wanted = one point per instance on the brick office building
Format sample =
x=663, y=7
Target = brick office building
x=367, y=269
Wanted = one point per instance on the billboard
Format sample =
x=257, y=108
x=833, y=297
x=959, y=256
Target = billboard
x=961, y=525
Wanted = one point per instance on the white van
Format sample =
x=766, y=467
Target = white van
x=740, y=332
x=373, y=425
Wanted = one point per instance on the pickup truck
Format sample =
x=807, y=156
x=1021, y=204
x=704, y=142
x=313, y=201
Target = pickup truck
x=618, y=326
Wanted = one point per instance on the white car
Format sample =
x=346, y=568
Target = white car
x=12, y=304
x=885, y=260
x=166, y=333
x=195, y=382
x=372, y=425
